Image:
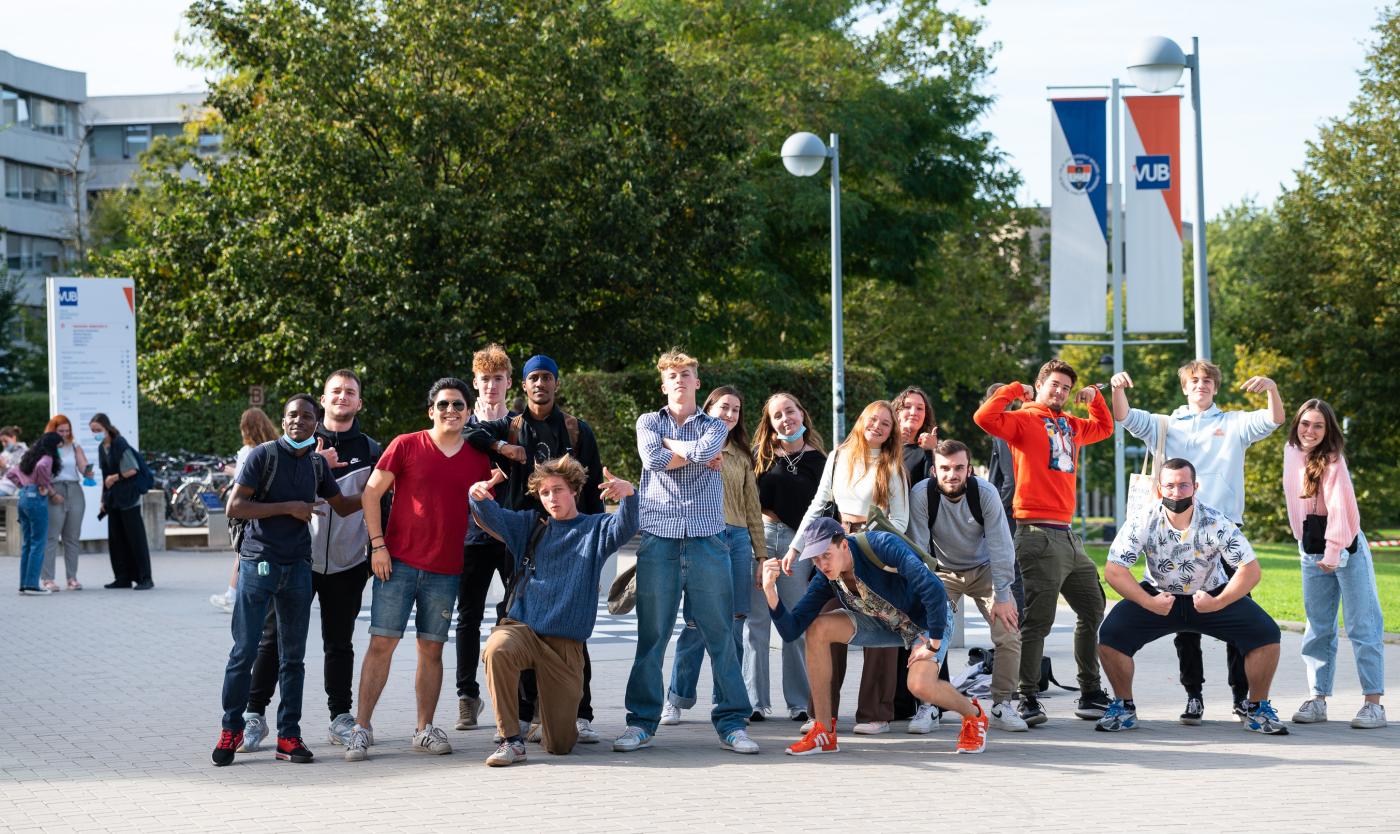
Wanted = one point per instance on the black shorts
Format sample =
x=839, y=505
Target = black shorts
x=1128, y=626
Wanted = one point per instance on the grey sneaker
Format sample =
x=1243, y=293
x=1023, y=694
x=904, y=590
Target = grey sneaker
x=586, y=733
x=468, y=709
x=632, y=738
x=357, y=749
x=739, y=742
x=1312, y=711
x=341, y=727
x=1005, y=718
x=1371, y=717
x=430, y=739
x=1117, y=718
x=507, y=754
x=1263, y=719
x=254, y=731
x=535, y=733
x=670, y=714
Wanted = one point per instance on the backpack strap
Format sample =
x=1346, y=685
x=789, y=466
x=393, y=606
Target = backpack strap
x=527, y=564
x=974, y=498
x=571, y=424
x=269, y=470
x=864, y=544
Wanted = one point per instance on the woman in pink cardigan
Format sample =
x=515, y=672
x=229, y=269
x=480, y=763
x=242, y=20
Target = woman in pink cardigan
x=1337, y=567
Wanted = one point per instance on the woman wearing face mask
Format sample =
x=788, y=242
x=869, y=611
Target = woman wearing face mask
x=66, y=507
x=743, y=534
x=126, y=532
x=1337, y=567
x=33, y=475
x=866, y=470
x=788, y=463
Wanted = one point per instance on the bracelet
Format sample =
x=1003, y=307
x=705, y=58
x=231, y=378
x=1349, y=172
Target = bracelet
x=372, y=538
x=378, y=547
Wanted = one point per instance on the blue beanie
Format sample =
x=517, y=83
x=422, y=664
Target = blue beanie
x=540, y=362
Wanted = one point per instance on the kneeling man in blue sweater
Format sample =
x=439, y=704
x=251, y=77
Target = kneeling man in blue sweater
x=552, y=602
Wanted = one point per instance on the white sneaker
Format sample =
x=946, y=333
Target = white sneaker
x=341, y=727
x=357, y=749
x=1312, y=711
x=1005, y=718
x=670, y=714
x=923, y=720
x=871, y=728
x=586, y=733
x=507, y=754
x=1371, y=717
x=221, y=602
x=431, y=740
x=739, y=742
x=632, y=738
x=524, y=731
x=254, y=731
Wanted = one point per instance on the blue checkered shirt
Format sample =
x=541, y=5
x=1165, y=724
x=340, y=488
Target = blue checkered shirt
x=688, y=501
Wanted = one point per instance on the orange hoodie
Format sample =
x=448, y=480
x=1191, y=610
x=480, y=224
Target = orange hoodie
x=1044, y=449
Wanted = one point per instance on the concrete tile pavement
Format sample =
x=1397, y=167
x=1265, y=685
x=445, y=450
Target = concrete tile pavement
x=109, y=705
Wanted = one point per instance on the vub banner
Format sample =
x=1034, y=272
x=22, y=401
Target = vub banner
x=1152, y=227
x=1078, y=216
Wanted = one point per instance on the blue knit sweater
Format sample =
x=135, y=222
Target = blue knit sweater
x=560, y=597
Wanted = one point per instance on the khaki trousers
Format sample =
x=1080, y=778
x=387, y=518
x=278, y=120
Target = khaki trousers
x=977, y=585
x=558, y=663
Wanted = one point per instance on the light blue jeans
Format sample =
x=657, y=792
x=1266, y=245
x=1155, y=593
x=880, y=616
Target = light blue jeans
x=1352, y=587
x=796, y=693
x=690, y=646
x=699, y=568
x=34, y=525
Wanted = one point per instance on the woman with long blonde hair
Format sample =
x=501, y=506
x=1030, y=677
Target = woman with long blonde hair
x=865, y=471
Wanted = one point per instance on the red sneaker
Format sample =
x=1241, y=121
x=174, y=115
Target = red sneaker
x=973, y=738
x=818, y=740
x=292, y=750
x=229, y=740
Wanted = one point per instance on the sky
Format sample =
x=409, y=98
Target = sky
x=1272, y=71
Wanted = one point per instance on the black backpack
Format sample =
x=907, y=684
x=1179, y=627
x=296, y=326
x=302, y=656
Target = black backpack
x=238, y=527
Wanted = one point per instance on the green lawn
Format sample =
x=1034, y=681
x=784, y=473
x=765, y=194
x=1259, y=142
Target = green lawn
x=1280, y=589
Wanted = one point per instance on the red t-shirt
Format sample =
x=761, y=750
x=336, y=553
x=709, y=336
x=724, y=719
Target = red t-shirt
x=428, y=522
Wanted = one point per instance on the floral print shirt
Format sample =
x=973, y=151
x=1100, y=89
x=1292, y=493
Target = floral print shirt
x=1182, y=561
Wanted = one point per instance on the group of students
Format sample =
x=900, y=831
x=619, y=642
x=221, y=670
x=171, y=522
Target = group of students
x=732, y=535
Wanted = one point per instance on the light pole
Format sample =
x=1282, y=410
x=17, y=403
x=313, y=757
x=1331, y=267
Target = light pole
x=803, y=155
x=1157, y=68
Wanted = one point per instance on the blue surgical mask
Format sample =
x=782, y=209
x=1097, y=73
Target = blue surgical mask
x=299, y=444
x=788, y=438
x=98, y=436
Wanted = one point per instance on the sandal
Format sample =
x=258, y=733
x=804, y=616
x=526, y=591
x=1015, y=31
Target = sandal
x=50, y=585
x=74, y=585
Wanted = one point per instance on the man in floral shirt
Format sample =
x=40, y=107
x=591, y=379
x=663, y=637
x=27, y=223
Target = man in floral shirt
x=1185, y=588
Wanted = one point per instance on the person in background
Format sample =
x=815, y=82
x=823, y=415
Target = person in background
x=1337, y=571
x=121, y=503
x=66, y=507
x=33, y=474
x=11, y=449
x=256, y=428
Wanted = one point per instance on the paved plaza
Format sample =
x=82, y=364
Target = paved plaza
x=109, y=706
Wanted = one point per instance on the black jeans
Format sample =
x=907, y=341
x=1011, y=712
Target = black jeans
x=341, y=595
x=127, y=546
x=1192, y=666
x=480, y=562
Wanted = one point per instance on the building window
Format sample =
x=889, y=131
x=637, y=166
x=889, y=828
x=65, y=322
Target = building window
x=39, y=185
x=137, y=140
x=26, y=253
x=44, y=115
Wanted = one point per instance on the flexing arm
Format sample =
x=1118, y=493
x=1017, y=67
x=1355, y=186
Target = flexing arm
x=992, y=416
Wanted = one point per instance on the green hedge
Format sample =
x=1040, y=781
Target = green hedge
x=196, y=426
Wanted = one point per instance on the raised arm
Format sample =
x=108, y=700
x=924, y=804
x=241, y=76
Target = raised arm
x=992, y=416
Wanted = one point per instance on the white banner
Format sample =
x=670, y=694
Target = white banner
x=1078, y=216
x=92, y=367
x=1152, y=226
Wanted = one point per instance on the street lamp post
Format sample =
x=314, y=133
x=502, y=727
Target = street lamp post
x=1157, y=68
x=803, y=155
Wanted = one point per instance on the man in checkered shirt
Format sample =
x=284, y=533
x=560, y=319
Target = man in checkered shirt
x=682, y=517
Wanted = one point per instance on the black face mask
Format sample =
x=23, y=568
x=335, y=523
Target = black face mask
x=1177, y=505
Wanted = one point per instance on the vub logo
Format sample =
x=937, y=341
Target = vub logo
x=1153, y=172
x=68, y=296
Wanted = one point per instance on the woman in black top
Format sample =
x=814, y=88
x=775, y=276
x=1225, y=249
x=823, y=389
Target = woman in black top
x=913, y=416
x=788, y=463
x=121, y=502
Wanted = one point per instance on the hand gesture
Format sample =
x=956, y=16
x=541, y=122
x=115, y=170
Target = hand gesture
x=1204, y=602
x=1258, y=385
x=788, y=559
x=515, y=453
x=928, y=441
x=1086, y=395
x=481, y=490
x=771, y=569
x=1121, y=380
x=330, y=454
x=614, y=488
x=1161, y=604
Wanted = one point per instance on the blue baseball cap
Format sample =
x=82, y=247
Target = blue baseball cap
x=816, y=539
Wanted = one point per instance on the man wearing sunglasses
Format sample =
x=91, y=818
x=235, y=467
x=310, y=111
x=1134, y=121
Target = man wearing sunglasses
x=416, y=561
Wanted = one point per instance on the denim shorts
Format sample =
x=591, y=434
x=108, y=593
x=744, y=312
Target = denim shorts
x=872, y=634
x=435, y=595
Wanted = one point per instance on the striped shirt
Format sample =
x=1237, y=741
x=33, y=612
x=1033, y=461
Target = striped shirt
x=688, y=501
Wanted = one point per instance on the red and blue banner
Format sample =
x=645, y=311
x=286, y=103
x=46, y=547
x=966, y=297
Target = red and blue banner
x=1152, y=204
x=1078, y=215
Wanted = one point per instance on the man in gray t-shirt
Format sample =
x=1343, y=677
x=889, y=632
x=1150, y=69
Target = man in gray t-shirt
x=976, y=558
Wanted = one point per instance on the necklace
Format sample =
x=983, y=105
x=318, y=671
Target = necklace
x=790, y=462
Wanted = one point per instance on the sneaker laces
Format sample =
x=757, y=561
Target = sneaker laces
x=227, y=738
x=1115, y=710
x=1266, y=710
x=633, y=732
x=971, y=733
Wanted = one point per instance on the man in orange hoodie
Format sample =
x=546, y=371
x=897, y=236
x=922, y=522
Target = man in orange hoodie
x=1045, y=443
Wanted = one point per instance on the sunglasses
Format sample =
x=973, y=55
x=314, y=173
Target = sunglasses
x=455, y=405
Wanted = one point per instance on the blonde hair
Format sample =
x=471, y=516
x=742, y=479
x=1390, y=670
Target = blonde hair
x=678, y=360
x=891, y=455
x=491, y=359
x=766, y=441
x=256, y=427
x=1211, y=370
x=565, y=467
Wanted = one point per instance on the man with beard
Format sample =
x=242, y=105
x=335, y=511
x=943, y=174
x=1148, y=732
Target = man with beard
x=959, y=521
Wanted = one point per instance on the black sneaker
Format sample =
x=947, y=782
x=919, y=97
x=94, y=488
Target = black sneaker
x=293, y=750
x=228, y=743
x=1030, y=711
x=1092, y=705
x=1195, y=708
x=1241, y=710
x=758, y=716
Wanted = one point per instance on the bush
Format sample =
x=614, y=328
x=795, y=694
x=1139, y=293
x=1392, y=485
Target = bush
x=29, y=411
x=190, y=426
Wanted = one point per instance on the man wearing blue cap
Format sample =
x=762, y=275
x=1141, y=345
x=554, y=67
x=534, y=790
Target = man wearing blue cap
x=888, y=598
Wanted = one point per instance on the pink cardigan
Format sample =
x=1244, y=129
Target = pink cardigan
x=1335, y=499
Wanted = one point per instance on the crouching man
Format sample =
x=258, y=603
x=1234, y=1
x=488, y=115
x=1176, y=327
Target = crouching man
x=552, y=602
x=888, y=598
x=1187, y=545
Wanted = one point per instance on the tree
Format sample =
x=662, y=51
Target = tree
x=405, y=179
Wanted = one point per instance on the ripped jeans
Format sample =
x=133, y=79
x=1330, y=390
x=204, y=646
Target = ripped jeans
x=690, y=647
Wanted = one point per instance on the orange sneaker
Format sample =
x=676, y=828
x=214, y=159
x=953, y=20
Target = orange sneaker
x=973, y=738
x=818, y=740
